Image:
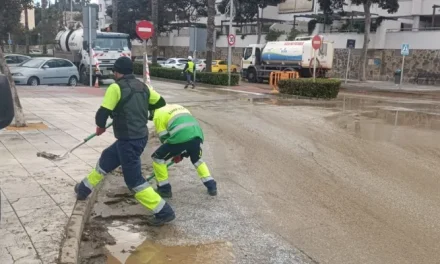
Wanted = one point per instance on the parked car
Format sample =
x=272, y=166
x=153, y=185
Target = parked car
x=35, y=52
x=45, y=70
x=160, y=60
x=175, y=63
x=222, y=66
x=200, y=64
x=15, y=59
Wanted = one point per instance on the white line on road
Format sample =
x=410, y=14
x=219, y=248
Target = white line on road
x=238, y=91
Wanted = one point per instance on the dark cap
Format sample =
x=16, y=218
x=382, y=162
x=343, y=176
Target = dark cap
x=123, y=65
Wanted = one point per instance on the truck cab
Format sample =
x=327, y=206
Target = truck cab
x=251, y=57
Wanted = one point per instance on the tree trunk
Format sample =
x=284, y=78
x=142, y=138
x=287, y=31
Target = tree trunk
x=363, y=61
x=210, y=34
x=19, y=115
x=115, y=15
x=155, y=18
x=26, y=29
x=259, y=25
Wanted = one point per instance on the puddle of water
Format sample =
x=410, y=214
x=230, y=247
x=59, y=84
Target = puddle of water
x=30, y=126
x=153, y=253
x=134, y=248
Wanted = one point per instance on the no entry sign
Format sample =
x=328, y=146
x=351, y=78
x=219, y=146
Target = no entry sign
x=144, y=29
x=316, y=42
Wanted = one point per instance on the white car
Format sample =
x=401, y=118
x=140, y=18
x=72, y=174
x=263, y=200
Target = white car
x=175, y=63
x=200, y=64
x=15, y=59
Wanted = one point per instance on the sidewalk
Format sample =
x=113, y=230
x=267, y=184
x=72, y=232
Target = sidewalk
x=37, y=195
x=388, y=86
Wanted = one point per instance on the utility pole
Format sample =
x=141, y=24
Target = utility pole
x=231, y=7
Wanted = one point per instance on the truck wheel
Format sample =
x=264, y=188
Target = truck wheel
x=252, y=76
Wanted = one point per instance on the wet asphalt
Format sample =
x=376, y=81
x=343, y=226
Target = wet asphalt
x=300, y=181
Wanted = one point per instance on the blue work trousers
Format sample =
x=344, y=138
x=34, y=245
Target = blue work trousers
x=127, y=154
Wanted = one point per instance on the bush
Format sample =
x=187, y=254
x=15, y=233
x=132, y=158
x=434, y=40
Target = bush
x=212, y=78
x=321, y=88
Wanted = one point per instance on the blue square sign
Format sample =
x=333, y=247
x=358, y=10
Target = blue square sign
x=405, y=50
x=9, y=41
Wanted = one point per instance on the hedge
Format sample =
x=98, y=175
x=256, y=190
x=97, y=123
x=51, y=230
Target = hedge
x=213, y=78
x=321, y=88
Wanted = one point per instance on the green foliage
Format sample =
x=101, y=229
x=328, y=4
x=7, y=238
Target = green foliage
x=273, y=35
x=176, y=74
x=321, y=88
x=293, y=34
x=10, y=12
x=246, y=10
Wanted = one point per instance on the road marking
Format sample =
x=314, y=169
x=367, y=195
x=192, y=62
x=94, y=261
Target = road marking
x=238, y=91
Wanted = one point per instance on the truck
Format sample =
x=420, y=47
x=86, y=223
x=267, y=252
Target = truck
x=259, y=60
x=108, y=46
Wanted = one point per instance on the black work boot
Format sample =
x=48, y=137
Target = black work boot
x=164, y=191
x=82, y=192
x=164, y=216
x=186, y=86
x=193, y=85
x=212, y=187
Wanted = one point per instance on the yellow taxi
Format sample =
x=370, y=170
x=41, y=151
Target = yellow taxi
x=222, y=66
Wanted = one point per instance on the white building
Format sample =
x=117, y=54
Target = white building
x=409, y=24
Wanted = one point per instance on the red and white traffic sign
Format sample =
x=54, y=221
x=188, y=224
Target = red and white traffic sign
x=231, y=39
x=144, y=29
x=316, y=42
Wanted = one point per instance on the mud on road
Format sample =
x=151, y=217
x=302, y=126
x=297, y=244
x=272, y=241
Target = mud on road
x=351, y=181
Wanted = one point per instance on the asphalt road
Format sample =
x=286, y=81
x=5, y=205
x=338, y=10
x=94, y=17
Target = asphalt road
x=305, y=181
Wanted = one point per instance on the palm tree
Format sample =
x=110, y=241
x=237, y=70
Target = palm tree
x=115, y=15
x=20, y=121
x=155, y=17
x=210, y=34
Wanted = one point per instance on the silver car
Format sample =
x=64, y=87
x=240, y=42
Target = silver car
x=46, y=71
x=15, y=59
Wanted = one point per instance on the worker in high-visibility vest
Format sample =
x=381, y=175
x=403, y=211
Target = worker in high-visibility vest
x=179, y=132
x=189, y=69
x=127, y=101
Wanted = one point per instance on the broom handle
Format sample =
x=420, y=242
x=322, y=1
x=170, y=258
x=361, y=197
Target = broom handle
x=94, y=134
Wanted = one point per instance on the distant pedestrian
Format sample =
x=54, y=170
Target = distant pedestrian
x=189, y=69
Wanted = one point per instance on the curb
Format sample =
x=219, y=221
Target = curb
x=69, y=250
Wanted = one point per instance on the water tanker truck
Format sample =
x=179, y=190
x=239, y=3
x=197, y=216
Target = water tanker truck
x=108, y=47
x=259, y=60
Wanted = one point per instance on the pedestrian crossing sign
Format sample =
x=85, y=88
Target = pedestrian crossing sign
x=405, y=50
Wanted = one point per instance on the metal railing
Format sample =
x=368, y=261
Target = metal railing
x=396, y=30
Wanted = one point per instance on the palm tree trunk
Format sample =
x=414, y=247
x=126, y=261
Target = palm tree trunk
x=115, y=15
x=26, y=28
x=19, y=118
x=363, y=61
x=210, y=34
x=155, y=18
x=259, y=25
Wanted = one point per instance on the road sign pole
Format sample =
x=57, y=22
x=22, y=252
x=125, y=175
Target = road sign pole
x=231, y=7
x=401, y=72
x=144, y=75
x=348, y=65
x=194, y=54
x=90, y=47
x=314, y=65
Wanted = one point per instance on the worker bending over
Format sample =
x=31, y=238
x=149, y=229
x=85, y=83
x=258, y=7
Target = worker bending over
x=180, y=133
x=127, y=101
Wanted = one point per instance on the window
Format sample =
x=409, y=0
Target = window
x=110, y=44
x=11, y=60
x=214, y=62
x=170, y=61
x=64, y=63
x=33, y=63
x=222, y=63
x=52, y=64
x=247, y=53
x=183, y=61
x=21, y=59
